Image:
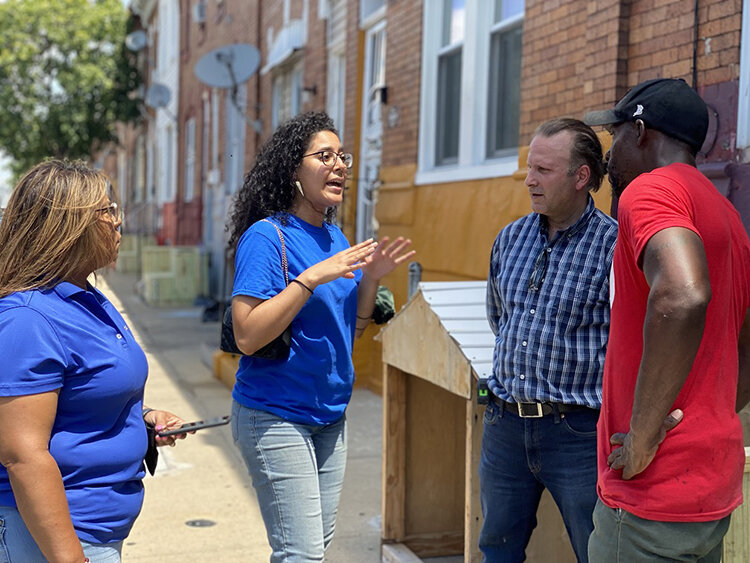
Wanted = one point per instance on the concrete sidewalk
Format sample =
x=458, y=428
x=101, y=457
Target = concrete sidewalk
x=200, y=506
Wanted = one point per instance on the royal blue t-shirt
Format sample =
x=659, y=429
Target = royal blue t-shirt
x=314, y=385
x=74, y=340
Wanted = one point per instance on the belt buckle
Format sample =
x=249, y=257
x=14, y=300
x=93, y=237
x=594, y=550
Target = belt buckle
x=523, y=414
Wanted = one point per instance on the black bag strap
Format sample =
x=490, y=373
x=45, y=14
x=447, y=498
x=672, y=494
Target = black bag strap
x=283, y=250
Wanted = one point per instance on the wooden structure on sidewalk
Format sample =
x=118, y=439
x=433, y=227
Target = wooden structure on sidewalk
x=434, y=351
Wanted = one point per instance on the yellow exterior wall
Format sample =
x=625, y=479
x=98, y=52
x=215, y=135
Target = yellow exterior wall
x=452, y=227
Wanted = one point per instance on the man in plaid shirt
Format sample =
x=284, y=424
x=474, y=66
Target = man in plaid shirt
x=548, y=305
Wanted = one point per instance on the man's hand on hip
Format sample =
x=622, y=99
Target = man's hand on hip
x=633, y=456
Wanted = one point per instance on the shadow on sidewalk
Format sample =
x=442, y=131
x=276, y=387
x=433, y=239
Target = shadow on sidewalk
x=204, y=478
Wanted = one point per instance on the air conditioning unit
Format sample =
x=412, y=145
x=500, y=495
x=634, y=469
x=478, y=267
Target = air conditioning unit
x=199, y=12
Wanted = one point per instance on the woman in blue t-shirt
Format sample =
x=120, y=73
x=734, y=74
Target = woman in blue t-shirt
x=72, y=432
x=288, y=412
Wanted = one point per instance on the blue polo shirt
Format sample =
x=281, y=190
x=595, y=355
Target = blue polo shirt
x=314, y=385
x=74, y=340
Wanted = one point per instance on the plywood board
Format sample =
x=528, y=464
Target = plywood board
x=394, y=453
x=473, y=509
x=415, y=342
x=435, y=449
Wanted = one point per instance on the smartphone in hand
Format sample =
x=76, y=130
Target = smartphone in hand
x=197, y=425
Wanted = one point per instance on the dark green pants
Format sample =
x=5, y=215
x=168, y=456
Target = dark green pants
x=622, y=537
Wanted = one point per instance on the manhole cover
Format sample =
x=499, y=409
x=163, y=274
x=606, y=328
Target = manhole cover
x=200, y=523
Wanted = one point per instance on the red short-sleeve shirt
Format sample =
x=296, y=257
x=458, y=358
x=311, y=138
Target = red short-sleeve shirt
x=697, y=472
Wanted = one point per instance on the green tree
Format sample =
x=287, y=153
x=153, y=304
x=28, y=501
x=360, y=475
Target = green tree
x=65, y=78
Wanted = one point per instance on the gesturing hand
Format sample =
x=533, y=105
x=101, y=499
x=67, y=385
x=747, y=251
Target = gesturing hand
x=633, y=457
x=387, y=256
x=340, y=265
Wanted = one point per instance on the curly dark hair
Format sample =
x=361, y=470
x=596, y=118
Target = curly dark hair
x=269, y=186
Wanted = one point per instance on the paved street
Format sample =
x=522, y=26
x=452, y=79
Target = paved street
x=203, y=480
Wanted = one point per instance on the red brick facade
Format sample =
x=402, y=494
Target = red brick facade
x=576, y=56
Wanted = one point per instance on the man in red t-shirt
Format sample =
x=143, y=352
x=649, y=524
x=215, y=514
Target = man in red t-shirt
x=679, y=339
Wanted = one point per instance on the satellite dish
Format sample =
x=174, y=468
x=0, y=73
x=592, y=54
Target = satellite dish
x=228, y=66
x=136, y=40
x=157, y=96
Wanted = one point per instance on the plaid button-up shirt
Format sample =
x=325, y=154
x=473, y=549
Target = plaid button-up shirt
x=551, y=338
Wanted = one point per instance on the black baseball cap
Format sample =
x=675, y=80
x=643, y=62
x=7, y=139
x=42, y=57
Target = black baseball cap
x=668, y=105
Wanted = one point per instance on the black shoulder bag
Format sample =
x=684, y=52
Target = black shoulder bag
x=278, y=348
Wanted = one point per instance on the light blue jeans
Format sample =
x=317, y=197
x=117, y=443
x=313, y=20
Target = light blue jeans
x=17, y=545
x=297, y=471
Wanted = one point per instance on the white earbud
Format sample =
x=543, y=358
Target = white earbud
x=299, y=188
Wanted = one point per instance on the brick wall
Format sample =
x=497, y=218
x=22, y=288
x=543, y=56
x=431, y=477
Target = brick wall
x=662, y=38
x=573, y=57
x=316, y=62
x=582, y=55
x=235, y=21
x=403, y=73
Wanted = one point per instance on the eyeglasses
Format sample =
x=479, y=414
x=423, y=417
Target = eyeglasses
x=328, y=158
x=114, y=211
x=540, y=270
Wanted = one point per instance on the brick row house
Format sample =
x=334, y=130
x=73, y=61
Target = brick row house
x=436, y=99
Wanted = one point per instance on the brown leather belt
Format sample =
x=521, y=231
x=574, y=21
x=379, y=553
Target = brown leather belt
x=536, y=410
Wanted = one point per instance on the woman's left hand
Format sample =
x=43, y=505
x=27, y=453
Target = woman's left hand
x=165, y=420
x=386, y=257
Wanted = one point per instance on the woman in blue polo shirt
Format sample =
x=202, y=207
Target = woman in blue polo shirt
x=288, y=413
x=72, y=433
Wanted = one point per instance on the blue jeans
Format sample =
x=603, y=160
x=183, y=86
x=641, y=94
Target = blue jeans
x=622, y=536
x=102, y=552
x=17, y=545
x=297, y=471
x=520, y=458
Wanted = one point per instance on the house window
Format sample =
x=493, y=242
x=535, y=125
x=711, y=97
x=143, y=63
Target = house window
x=448, y=118
x=336, y=86
x=370, y=10
x=140, y=169
x=214, y=129
x=470, y=95
x=234, y=149
x=286, y=96
x=165, y=174
x=205, y=138
x=190, y=159
x=504, y=94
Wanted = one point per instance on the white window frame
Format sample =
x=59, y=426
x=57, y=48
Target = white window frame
x=743, y=99
x=140, y=181
x=234, y=147
x=472, y=161
x=122, y=178
x=286, y=88
x=205, y=139
x=336, y=102
x=336, y=75
x=367, y=20
x=167, y=163
x=215, y=129
x=189, y=192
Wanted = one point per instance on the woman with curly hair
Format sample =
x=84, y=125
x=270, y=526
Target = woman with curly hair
x=289, y=413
